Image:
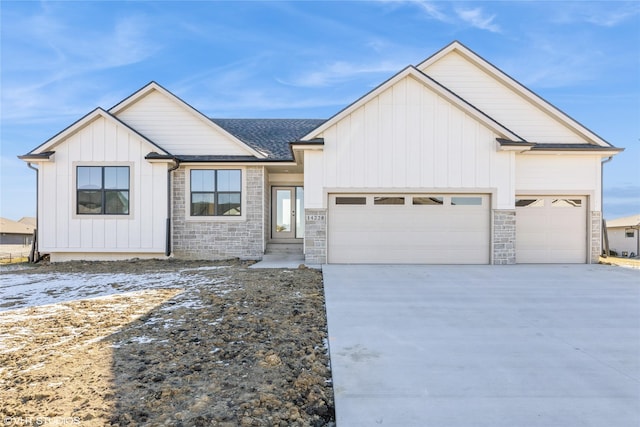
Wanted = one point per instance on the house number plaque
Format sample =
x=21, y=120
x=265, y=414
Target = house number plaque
x=315, y=217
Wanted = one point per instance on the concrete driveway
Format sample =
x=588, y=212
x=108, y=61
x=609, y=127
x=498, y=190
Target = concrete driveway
x=473, y=346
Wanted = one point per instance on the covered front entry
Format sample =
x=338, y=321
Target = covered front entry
x=409, y=228
x=551, y=229
x=287, y=216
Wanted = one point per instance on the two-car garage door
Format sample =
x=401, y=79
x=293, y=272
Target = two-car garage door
x=409, y=228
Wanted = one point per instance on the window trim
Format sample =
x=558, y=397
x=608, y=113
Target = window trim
x=215, y=218
x=74, y=193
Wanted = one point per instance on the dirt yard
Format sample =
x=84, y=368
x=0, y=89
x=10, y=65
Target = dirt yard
x=163, y=343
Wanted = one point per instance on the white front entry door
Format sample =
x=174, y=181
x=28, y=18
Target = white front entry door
x=286, y=215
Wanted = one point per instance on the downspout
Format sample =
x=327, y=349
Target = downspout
x=167, y=250
x=34, y=256
x=604, y=237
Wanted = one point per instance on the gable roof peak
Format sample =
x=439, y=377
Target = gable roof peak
x=515, y=86
x=81, y=123
x=427, y=81
x=197, y=114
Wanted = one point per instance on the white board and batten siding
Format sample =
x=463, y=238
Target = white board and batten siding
x=176, y=128
x=102, y=143
x=500, y=102
x=408, y=137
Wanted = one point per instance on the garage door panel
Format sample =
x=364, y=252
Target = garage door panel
x=420, y=233
x=551, y=230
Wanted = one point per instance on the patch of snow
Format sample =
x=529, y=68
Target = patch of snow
x=14, y=267
x=33, y=368
x=141, y=340
x=217, y=267
x=19, y=291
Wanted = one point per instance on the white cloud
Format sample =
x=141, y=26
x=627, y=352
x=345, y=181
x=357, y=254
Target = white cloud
x=477, y=18
x=45, y=61
x=432, y=10
x=609, y=14
x=340, y=71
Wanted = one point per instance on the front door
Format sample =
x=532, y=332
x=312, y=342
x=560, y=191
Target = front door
x=285, y=218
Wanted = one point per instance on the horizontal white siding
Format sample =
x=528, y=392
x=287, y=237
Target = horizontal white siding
x=102, y=143
x=498, y=101
x=176, y=129
x=619, y=242
x=578, y=175
x=408, y=137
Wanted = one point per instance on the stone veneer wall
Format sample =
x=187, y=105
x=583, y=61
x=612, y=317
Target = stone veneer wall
x=504, y=237
x=315, y=235
x=219, y=239
x=596, y=231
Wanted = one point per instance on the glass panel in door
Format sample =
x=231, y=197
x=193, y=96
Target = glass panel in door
x=284, y=213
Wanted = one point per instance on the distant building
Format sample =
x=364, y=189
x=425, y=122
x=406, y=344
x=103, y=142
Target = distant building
x=623, y=236
x=15, y=233
x=28, y=220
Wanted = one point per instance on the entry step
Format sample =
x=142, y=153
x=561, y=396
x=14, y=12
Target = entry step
x=284, y=248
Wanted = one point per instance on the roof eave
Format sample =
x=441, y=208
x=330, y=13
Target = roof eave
x=47, y=156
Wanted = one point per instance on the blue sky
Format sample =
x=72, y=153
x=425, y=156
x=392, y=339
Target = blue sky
x=60, y=60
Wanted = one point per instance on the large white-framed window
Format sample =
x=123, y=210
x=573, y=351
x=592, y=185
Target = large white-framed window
x=102, y=190
x=215, y=193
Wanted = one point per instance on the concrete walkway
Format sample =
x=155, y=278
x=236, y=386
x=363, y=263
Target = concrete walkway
x=279, y=260
x=473, y=346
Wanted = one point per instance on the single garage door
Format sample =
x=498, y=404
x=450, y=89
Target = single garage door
x=409, y=228
x=551, y=229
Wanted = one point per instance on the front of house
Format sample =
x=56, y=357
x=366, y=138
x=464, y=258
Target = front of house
x=450, y=162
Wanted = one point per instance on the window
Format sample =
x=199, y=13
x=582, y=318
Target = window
x=216, y=192
x=428, y=200
x=102, y=190
x=566, y=203
x=466, y=201
x=629, y=232
x=388, y=201
x=351, y=200
x=529, y=203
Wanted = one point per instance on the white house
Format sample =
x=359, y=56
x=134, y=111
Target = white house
x=449, y=161
x=623, y=236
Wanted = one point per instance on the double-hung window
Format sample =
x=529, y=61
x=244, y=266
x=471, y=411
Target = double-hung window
x=216, y=192
x=102, y=190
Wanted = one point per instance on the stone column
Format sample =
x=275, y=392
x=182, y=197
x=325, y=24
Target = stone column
x=315, y=236
x=504, y=237
x=596, y=236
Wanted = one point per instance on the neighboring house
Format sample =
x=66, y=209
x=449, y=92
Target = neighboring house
x=28, y=220
x=15, y=233
x=623, y=236
x=450, y=161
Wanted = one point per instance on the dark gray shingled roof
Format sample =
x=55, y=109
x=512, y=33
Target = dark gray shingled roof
x=270, y=136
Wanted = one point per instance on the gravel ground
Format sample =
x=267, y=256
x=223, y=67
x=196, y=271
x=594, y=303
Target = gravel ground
x=163, y=343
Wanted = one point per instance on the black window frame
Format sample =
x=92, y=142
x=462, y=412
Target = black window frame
x=104, y=192
x=217, y=207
